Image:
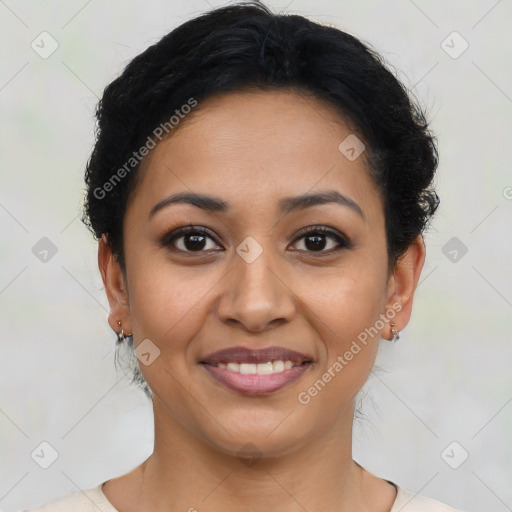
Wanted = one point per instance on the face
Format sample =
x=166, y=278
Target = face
x=295, y=293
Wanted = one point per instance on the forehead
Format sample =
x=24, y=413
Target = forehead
x=252, y=148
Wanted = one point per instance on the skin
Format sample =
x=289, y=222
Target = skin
x=251, y=149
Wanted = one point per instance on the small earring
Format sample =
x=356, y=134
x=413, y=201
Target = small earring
x=121, y=336
x=395, y=333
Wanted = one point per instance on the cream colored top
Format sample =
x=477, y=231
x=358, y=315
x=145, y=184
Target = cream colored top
x=93, y=500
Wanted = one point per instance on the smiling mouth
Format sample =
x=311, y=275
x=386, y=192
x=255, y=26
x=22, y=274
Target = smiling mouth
x=252, y=382
x=256, y=372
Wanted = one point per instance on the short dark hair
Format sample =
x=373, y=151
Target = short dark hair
x=245, y=45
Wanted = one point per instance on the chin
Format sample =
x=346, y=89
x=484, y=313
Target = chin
x=251, y=448
x=272, y=436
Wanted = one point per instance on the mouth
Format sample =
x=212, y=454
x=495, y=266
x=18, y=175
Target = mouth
x=256, y=372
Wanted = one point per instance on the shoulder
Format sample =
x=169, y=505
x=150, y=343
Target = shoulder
x=88, y=500
x=408, y=502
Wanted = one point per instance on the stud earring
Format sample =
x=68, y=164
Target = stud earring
x=395, y=333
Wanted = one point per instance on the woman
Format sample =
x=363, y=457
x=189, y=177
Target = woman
x=259, y=188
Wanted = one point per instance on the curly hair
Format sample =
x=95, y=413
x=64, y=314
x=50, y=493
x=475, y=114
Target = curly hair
x=246, y=46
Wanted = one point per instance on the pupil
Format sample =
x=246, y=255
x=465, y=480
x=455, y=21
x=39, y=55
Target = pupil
x=318, y=244
x=194, y=245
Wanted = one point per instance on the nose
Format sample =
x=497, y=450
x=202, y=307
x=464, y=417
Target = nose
x=255, y=295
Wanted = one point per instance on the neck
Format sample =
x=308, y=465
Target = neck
x=187, y=473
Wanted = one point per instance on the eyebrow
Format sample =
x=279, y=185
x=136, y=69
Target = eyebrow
x=286, y=205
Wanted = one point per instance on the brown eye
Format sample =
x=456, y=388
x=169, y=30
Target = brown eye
x=316, y=239
x=189, y=239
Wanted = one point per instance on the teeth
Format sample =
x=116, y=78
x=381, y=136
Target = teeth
x=264, y=368
x=278, y=366
x=247, y=368
x=259, y=369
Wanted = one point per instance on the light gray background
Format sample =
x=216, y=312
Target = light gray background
x=449, y=377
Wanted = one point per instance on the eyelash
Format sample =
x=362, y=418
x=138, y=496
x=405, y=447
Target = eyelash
x=343, y=243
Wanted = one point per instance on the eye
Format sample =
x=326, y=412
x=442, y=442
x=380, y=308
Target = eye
x=315, y=240
x=195, y=239
x=189, y=239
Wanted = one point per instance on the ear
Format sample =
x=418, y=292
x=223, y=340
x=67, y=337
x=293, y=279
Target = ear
x=402, y=284
x=115, y=287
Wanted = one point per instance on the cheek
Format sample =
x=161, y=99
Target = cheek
x=345, y=310
x=165, y=305
x=161, y=299
x=344, y=316
x=345, y=301
x=170, y=303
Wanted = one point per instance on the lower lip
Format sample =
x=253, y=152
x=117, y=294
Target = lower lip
x=254, y=384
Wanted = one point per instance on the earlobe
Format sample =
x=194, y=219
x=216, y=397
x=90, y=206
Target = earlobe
x=403, y=284
x=115, y=286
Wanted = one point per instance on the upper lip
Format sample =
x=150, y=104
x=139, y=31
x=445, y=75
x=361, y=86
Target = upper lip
x=249, y=355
